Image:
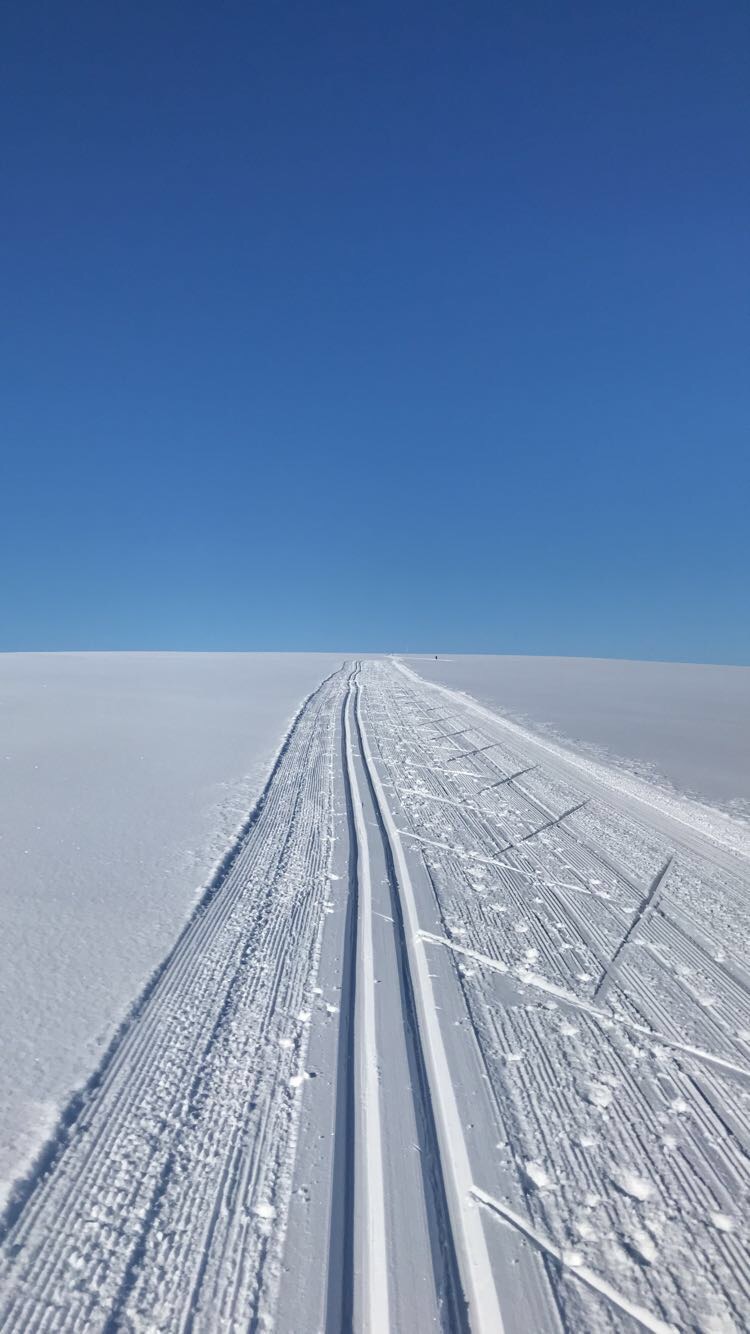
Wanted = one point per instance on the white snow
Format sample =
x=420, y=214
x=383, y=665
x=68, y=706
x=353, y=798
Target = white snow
x=684, y=722
x=599, y=1095
x=538, y=1175
x=633, y=1184
x=264, y=1210
x=723, y=1222
x=644, y=1245
x=123, y=777
x=582, y=1100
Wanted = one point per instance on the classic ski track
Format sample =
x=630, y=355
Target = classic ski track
x=338, y=1313
x=387, y=1066
x=477, y=1280
x=371, y=1254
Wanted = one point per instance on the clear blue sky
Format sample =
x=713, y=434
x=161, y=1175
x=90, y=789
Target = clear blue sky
x=415, y=325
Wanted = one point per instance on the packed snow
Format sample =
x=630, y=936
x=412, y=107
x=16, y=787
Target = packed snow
x=688, y=724
x=458, y=1039
x=123, y=777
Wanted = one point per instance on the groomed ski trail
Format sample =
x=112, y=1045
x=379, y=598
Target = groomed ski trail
x=456, y=1043
x=163, y=1205
x=478, y=1284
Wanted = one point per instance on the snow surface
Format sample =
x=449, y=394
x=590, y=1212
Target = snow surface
x=547, y=971
x=683, y=722
x=123, y=776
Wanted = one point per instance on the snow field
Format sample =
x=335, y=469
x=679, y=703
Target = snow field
x=458, y=1041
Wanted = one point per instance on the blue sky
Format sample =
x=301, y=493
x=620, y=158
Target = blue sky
x=414, y=326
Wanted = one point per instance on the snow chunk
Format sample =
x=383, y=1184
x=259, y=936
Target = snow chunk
x=636, y=1186
x=538, y=1175
x=599, y=1095
x=643, y=1244
x=572, y=1258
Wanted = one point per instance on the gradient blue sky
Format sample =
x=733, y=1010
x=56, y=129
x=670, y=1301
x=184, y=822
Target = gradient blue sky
x=415, y=325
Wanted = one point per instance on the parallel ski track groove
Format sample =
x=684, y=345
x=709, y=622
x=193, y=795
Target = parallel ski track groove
x=445, y=1261
x=340, y=1286
x=474, y=1279
x=371, y=1253
x=123, y=1173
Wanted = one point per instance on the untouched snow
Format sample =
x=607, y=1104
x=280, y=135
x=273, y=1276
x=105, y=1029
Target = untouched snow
x=683, y=722
x=123, y=777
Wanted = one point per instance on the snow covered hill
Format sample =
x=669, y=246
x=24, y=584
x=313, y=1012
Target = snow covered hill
x=458, y=1039
x=123, y=777
x=685, y=724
